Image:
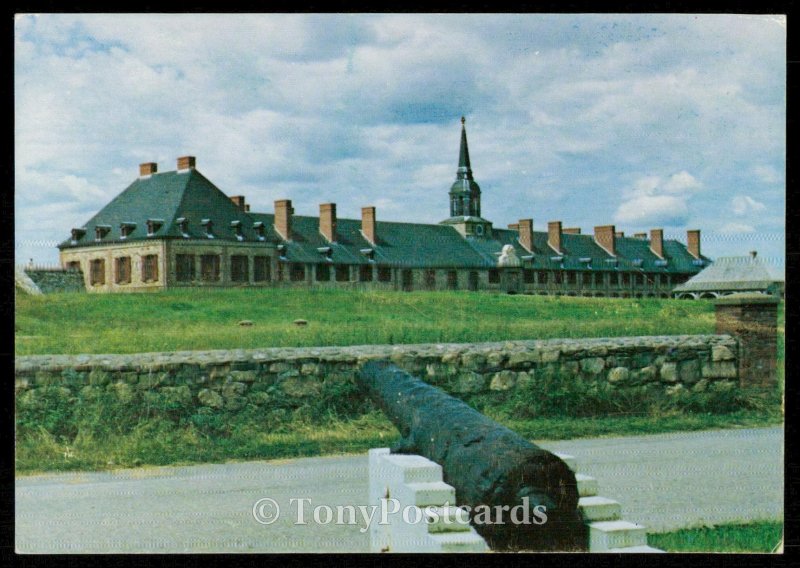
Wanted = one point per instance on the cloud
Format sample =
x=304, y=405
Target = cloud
x=737, y=228
x=744, y=205
x=654, y=210
x=562, y=111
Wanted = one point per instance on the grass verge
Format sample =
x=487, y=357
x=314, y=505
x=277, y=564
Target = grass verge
x=761, y=536
x=158, y=442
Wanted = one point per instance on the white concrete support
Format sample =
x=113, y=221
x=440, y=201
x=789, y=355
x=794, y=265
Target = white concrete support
x=418, y=507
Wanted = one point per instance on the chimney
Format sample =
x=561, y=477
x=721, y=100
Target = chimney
x=368, y=224
x=238, y=200
x=247, y=207
x=605, y=236
x=554, y=235
x=572, y=231
x=526, y=234
x=186, y=163
x=283, y=218
x=693, y=242
x=327, y=221
x=147, y=169
x=657, y=242
x=619, y=234
x=753, y=253
x=513, y=226
x=642, y=236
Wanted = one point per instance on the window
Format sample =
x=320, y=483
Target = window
x=472, y=282
x=407, y=278
x=97, y=272
x=240, y=268
x=494, y=276
x=150, y=268
x=342, y=273
x=365, y=273
x=640, y=279
x=208, y=225
x=384, y=274
x=626, y=279
x=100, y=231
x=558, y=277
x=323, y=273
x=261, y=268
x=452, y=279
x=527, y=276
x=281, y=271
x=183, y=225
x=570, y=278
x=586, y=279
x=479, y=230
x=430, y=279
x=297, y=272
x=237, y=230
x=258, y=226
x=209, y=267
x=125, y=230
x=122, y=270
x=542, y=277
x=184, y=267
x=598, y=279
x=74, y=265
x=153, y=225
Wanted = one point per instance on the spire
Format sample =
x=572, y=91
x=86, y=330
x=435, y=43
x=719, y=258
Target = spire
x=464, y=169
x=465, y=194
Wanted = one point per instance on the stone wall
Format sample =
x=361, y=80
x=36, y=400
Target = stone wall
x=231, y=380
x=56, y=280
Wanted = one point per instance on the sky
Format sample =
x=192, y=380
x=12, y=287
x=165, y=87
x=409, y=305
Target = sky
x=638, y=120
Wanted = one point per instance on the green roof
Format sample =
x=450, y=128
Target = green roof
x=169, y=196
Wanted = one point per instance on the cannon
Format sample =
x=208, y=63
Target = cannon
x=488, y=464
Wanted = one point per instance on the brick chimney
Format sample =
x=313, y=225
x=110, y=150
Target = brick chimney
x=238, y=200
x=693, y=242
x=147, y=169
x=283, y=218
x=327, y=221
x=186, y=163
x=605, y=236
x=526, y=234
x=657, y=242
x=368, y=224
x=554, y=236
x=572, y=231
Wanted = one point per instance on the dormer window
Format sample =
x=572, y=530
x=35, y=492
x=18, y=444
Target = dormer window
x=587, y=261
x=327, y=252
x=258, y=227
x=698, y=262
x=100, y=231
x=208, y=225
x=153, y=225
x=77, y=234
x=237, y=230
x=281, y=252
x=661, y=262
x=636, y=262
x=125, y=230
x=183, y=226
x=369, y=253
x=612, y=261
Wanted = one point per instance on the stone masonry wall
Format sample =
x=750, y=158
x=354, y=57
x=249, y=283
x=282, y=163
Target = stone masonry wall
x=231, y=380
x=50, y=281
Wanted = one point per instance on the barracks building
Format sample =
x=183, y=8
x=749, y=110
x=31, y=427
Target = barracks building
x=177, y=229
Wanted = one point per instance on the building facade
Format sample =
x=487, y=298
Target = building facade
x=177, y=229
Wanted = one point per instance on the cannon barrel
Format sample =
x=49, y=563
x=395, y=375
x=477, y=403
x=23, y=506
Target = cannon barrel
x=487, y=464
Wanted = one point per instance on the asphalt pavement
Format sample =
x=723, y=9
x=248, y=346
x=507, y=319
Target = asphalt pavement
x=663, y=481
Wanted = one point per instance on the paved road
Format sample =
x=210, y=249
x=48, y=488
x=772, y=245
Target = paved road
x=663, y=481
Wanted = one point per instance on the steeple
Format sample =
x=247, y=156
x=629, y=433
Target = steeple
x=465, y=194
x=464, y=169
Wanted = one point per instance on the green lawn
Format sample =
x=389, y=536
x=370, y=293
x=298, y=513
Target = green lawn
x=762, y=536
x=208, y=319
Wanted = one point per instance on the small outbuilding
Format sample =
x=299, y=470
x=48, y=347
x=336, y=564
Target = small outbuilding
x=729, y=275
